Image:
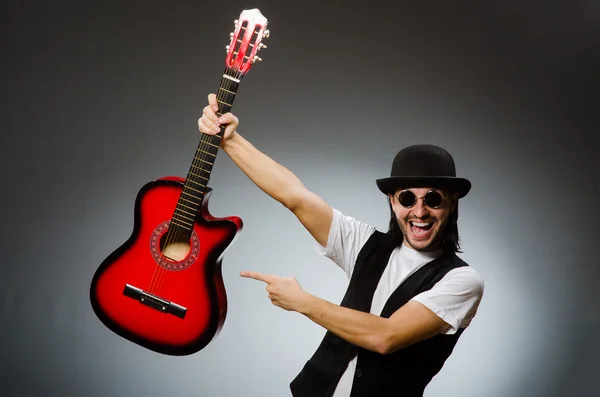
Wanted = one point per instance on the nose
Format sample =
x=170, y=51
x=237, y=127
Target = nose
x=421, y=210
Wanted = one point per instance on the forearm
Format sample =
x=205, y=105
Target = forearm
x=270, y=176
x=359, y=328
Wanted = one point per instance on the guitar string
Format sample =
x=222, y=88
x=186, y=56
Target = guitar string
x=162, y=272
x=204, y=146
x=174, y=232
x=204, y=149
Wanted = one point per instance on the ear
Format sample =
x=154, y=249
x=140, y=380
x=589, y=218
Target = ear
x=390, y=197
x=453, y=202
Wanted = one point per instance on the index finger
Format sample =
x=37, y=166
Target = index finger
x=212, y=101
x=257, y=276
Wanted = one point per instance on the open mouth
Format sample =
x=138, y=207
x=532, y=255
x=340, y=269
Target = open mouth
x=421, y=230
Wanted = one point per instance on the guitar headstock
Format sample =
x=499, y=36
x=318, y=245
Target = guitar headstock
x=246, y=41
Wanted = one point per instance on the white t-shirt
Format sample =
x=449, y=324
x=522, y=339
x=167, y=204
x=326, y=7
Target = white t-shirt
x=455, y=298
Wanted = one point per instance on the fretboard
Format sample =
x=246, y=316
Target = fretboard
x=198, y=175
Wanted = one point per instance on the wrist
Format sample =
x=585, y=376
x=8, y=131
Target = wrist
x=231, y=141
x=308, y=305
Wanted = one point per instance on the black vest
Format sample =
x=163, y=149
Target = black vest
x=404, y=373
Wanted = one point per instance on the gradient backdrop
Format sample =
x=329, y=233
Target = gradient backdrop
x=100, y=97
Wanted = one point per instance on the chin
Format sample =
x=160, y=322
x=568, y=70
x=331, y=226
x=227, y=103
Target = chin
x=421, y=245
x=431, y=244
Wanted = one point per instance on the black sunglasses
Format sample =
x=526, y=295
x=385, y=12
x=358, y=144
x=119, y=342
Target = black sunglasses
x=408, y=199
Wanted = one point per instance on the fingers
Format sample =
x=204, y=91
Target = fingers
x=274, y=299
x=212, y=101
x=227, y=118
x=258, y=276
x=210, y=122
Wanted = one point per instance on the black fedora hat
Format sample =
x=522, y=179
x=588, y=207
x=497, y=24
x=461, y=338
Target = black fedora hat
x=424, y=166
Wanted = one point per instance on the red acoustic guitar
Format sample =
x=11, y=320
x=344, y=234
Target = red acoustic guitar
x=163, y=288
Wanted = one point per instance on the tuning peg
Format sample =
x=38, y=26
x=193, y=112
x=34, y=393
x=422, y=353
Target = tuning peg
x=231, y=34
x=261, y=45
x=235, y=22
x=266, y=33
x=256, y=59
x=227, y=49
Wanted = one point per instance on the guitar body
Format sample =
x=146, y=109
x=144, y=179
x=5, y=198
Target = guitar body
x=163, y=287
x=193, y=285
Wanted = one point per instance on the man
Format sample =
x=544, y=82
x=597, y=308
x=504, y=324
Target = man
x=409, y=298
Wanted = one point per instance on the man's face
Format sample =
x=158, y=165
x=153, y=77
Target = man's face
x=422, y=225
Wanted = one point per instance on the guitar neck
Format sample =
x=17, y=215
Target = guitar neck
x=198, y=175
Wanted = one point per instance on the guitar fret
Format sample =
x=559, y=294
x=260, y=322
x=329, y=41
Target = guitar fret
x=224, y=103
x=187, y=206
x=189, y=194
x=203, y=151
x=223, y=89
x=196, y=190
x=174, y=222
x=190, y=213
x=200, y=168
x=184, y=214
x=184, y=222
x=183, y=198
x=184, y=219
x=231, y=78
x=198, y=175
x=207, y=162
x=211, y=144
x=196, y=183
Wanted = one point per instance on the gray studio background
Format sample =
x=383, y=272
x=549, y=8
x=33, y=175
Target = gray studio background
x=100, y=97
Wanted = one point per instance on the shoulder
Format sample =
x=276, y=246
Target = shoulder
x=348, y=219
x=464, y=279
x=456, y=297
x=350, y=227
x=347, y=236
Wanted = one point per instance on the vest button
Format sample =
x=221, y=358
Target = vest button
x=358, y=373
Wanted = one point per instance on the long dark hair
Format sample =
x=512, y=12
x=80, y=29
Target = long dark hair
x=450, y=238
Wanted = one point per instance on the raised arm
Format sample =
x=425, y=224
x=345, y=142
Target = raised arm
x=271, y=177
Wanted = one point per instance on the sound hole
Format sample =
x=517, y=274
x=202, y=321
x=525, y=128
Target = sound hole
x=173, y=253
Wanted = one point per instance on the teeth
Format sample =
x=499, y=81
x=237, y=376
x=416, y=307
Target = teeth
x=422, y=224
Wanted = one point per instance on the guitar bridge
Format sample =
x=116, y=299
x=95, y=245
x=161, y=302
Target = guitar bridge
x=154, y=302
